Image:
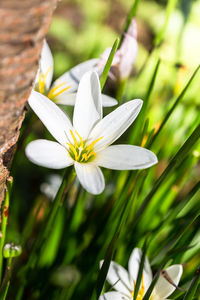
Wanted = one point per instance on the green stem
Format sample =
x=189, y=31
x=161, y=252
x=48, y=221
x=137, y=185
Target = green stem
x=120, y=90
x=4, y=224
x=108, y=64
x=6, y=280
x=131, y=14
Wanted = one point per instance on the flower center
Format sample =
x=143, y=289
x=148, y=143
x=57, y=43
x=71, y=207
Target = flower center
x=141, y=291
x=79, y=151
x=53, y=93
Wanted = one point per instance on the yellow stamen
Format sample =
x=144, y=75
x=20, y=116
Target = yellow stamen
x=93, y=143
x=92, y=153
x=81, y=140
x=85, y=157
x=73, y=136
x=141, y=291
x=74, y=151
x=41, y=83
x=51, y=92
x=42, y=79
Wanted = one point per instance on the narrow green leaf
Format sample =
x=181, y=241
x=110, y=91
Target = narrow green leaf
x=140, y=271
x=176, y=160
x=4, y=217
x=111, y=248
x=108, y=63
x=193, y=287
x=104, y=269
x=173, y=107
x=138, y=123
x=176, y=210
x=131, y=14
x=152, y=285
x=170, y=7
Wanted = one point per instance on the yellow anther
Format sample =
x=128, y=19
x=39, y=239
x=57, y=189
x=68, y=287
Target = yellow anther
x=141, y=291
x=74, y=151
x=41, y=83
x=92, y=153
x=52, y=90
x=42, y=79
x=51, y=93
x=81, y=140
x=78, y=151
x=73, y=136
x=93, y=143
x=85, y=156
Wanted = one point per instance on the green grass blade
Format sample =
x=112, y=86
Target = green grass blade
x=176, y=210
x=176, y=160
x=193, y=287
x=140, y=271
x=173, y=107
x=131, y=14
x=111, y=248
x=4, y=217
x=170, y=7
x=141, y=117
x=108, y=63
x=152, y=285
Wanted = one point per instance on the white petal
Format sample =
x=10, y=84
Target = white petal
x=88, y=105
x=90, y=177
x=108, y=101
x=48, y=154
x=67, y=98
x=125, y=157
x=163, y=288
x=55, y=120
x=73, y=76
x=46, y=65
x=114, y=124
x=78, y=71
x=113, y=296
x=118, y=278
x=134, y=264
x=128, y=52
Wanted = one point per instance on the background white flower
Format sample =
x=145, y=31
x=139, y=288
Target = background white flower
x=124, y=57
x=86, y=143
x=124, y=281
x=63, y=90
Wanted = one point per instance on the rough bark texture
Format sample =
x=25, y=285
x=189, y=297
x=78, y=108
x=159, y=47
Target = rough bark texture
x=23, y=27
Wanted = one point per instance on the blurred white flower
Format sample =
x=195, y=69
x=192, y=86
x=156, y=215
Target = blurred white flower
x=124, y=57
x=51, y=186
x=63, y=90
x=86, y=143
x=124, y=281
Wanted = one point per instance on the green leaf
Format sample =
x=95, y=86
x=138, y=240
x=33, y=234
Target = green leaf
x=173, y=107
x=108, y=63
x=170, y=7
x=193, y=287
x=140, y=271
x=176, y=160
x=131, y=14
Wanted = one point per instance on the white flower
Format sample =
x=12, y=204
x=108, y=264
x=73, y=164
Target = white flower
x=51, y=186
x=63, y=90
x=124, y=57
x=86, y=143
x=124, y=282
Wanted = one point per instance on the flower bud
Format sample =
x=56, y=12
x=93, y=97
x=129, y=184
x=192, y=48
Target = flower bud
x=11, y=250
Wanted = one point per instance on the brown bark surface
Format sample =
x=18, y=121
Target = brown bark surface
x=23, y=26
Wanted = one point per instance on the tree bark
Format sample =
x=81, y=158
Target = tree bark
x=23, y=27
